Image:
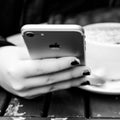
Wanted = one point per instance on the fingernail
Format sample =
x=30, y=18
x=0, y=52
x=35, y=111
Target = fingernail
x=85, y=83
x=75, y=62
x=86, y=72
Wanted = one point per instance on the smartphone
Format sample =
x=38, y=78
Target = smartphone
x=54, y=41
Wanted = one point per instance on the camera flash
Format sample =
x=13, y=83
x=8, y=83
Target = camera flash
x=42, y=34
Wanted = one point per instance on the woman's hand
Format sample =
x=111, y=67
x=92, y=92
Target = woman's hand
x=28, y=78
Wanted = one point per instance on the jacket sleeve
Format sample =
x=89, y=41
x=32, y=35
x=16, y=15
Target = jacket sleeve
x=4, y=42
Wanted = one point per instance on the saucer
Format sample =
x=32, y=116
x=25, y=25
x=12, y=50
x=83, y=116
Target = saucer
x=103, y=57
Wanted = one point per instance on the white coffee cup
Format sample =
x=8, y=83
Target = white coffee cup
x=103, y=57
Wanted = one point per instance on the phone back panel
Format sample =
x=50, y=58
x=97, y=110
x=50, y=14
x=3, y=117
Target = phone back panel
x=49, y=44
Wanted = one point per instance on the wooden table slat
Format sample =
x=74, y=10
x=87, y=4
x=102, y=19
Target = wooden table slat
x=24, y=107
x=104, y=119
x=4, y=100
x=23, y=118
x=39, y=118
x=67, y=103
x=105, y=105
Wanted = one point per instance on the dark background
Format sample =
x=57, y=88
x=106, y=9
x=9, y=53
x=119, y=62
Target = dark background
x=15, y=13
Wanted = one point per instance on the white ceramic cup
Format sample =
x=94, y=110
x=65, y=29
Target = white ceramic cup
x=103, y=57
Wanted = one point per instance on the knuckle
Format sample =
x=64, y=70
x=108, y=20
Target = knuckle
x=11, y=72
x=51, y=88
x=74, y=74
x=49, y=79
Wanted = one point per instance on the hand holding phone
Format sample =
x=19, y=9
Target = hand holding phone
x=54, y=41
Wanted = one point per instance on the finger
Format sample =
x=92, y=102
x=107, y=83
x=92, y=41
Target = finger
x=31, y=93
x=56, y=77
x=30, y=68
x=67, y=84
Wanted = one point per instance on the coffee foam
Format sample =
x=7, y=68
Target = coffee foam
x=107, y=33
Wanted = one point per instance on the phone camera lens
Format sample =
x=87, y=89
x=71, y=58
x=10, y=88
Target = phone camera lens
x=29, y=34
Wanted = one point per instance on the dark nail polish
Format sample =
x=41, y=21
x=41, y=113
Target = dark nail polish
x=86, y=72
x=85, y=83
x=75, y=63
